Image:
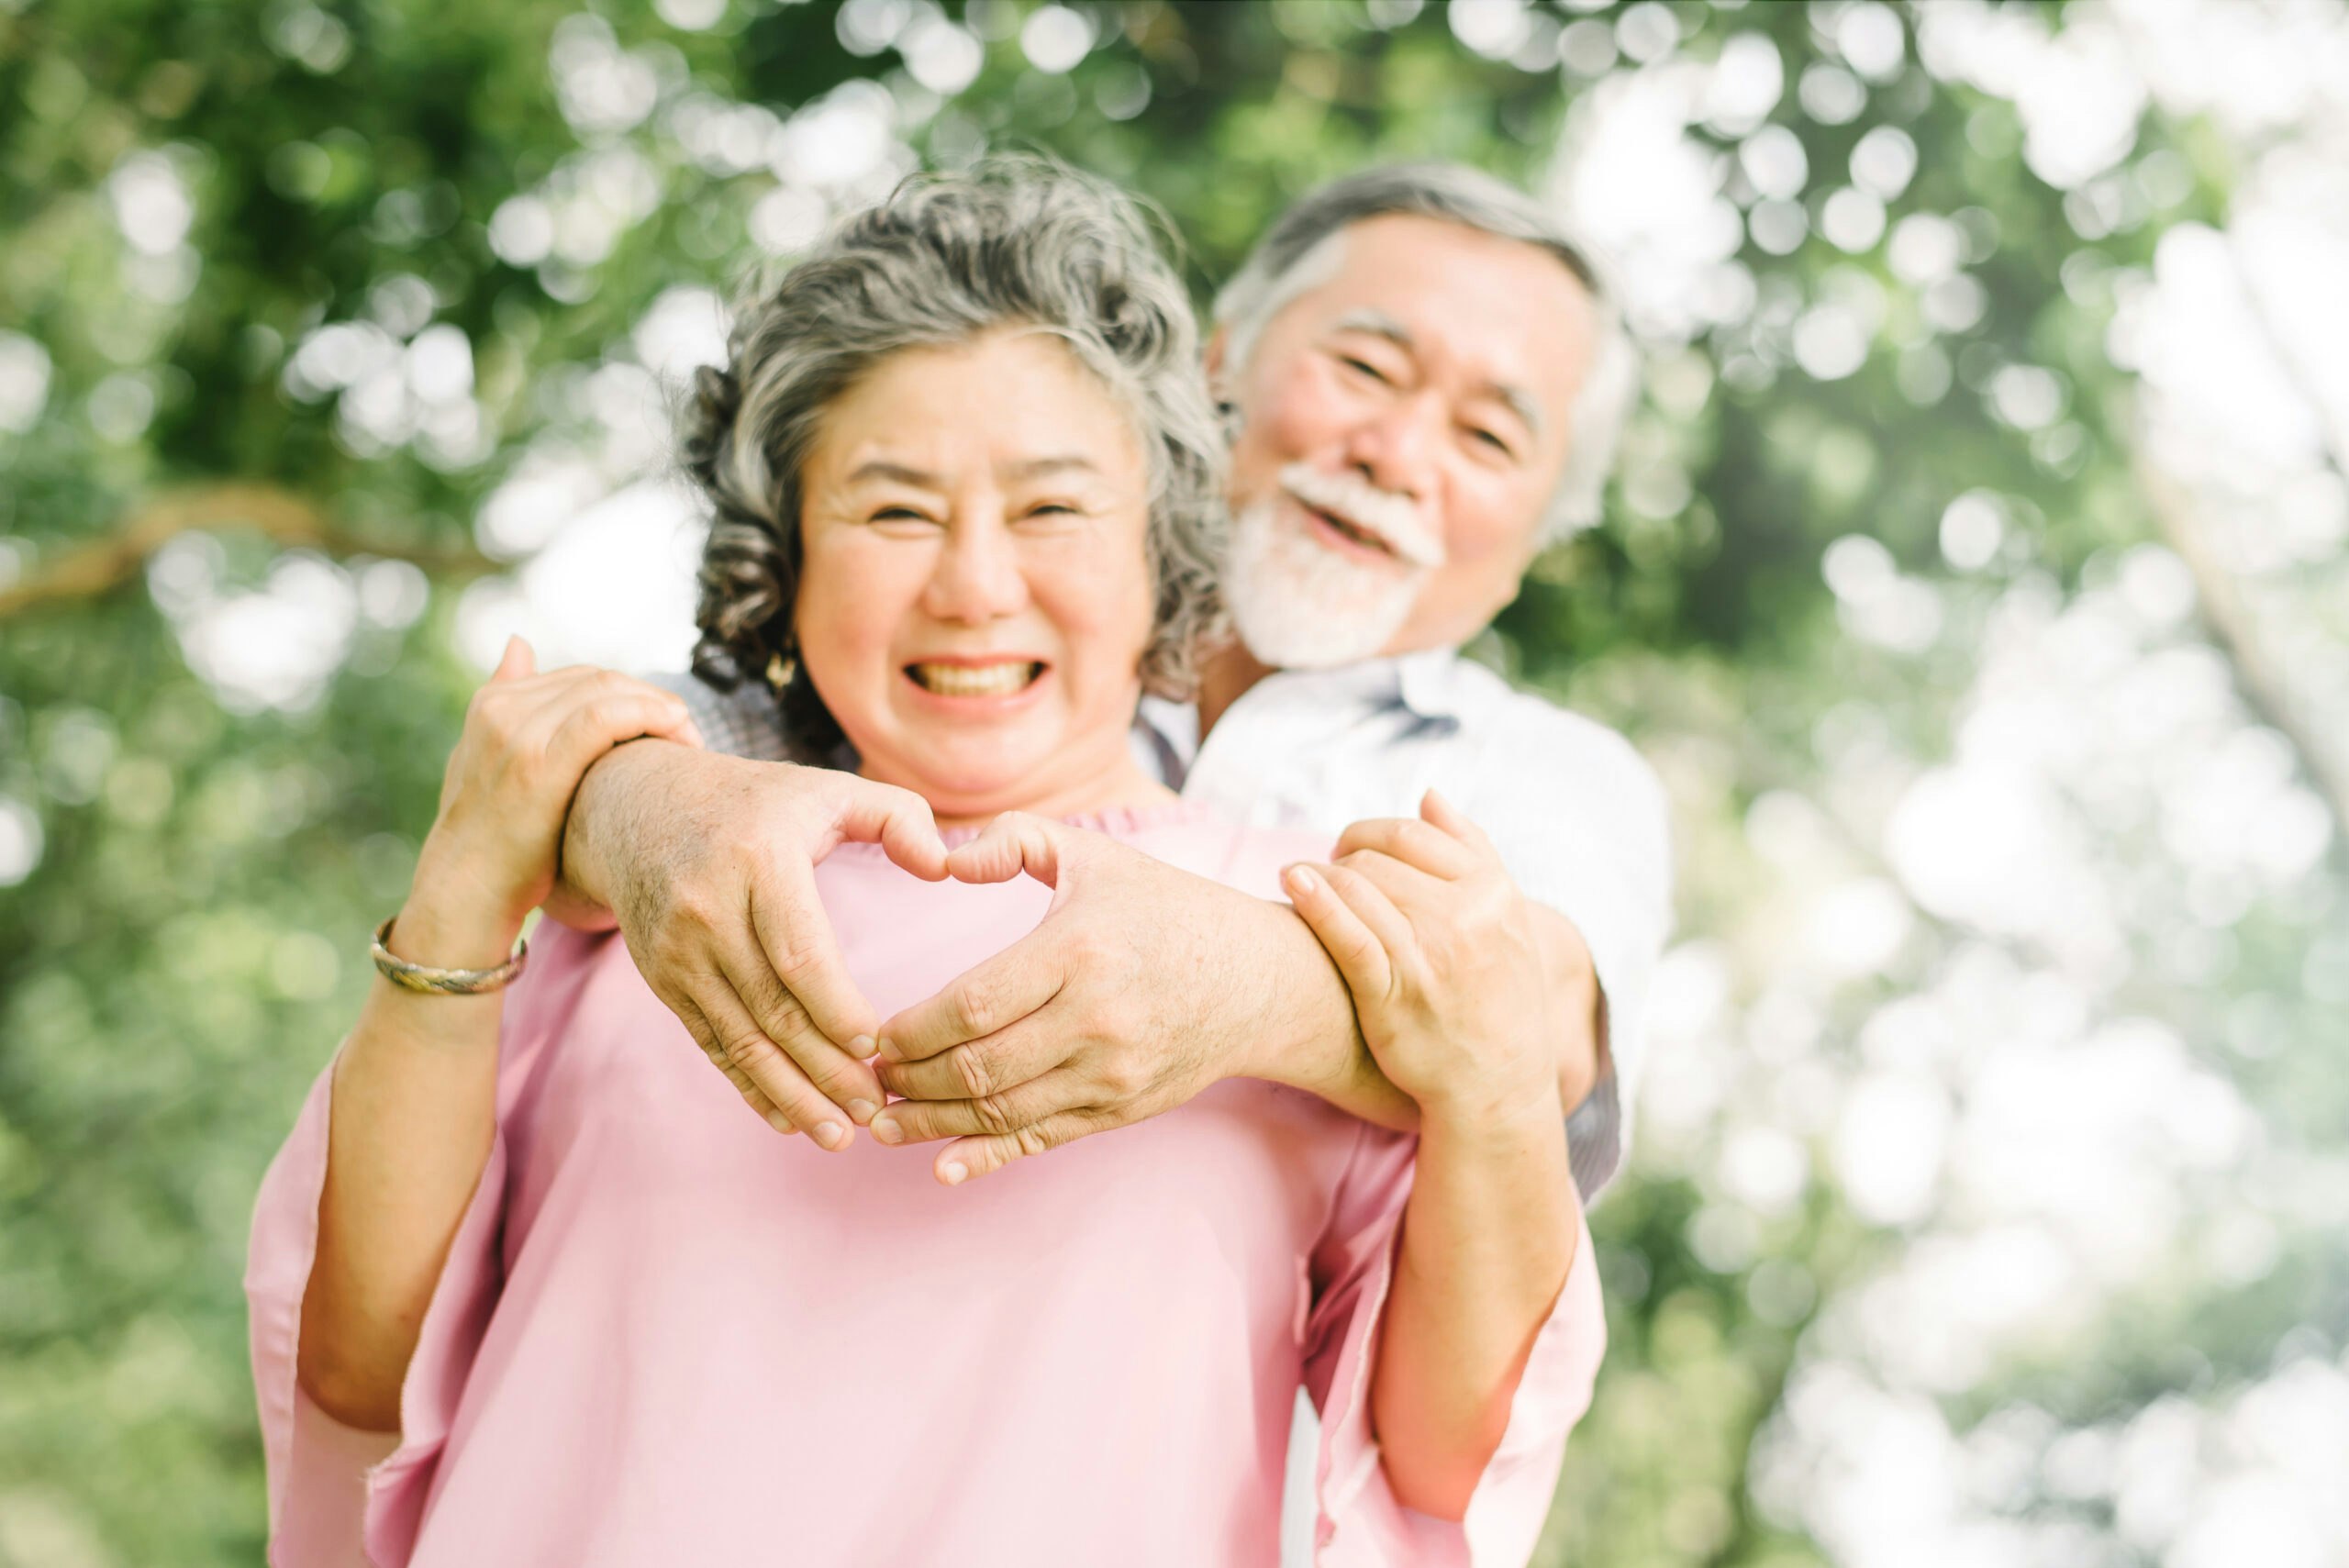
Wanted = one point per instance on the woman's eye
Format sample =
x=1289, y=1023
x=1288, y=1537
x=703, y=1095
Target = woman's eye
x=899, y=515
x=1491, y=441
x=1052, y=509
x=1362, y=367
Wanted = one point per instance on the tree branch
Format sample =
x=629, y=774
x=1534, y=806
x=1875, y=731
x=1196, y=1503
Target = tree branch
x=2232, y=625
x=96, y=568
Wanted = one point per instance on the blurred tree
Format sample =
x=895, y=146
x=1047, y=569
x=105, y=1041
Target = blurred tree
x=1990, y=1164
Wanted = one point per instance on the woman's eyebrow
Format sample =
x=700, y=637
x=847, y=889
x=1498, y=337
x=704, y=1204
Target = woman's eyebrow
x=1025, y=468
x=894, y=473
x=1043, y=467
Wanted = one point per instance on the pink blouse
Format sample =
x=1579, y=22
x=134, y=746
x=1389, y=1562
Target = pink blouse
x=666, y=1335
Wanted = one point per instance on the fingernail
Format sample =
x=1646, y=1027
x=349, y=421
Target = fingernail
x=886, y=1129
x=830, y=1134
x=861, y=1111
x=887, y=1048
x=1302, y=879
x=952, y=1174
x=861, y=1047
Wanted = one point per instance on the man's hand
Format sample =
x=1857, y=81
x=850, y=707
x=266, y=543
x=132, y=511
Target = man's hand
x=709, y=862
x=1143, y=986
x=1467, y=994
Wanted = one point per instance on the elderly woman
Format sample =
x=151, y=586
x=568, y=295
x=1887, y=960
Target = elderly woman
x=528, y=1287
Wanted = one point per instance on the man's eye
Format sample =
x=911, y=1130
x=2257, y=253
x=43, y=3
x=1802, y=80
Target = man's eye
x=1052, y=509
x=899, y=515
x=1362, y=367
x=1491, y=441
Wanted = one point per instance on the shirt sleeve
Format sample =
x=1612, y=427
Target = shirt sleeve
x=1582, y=824
x=1361, y=1523
x=745, y=722
x=333, y=1488
x=330, y=1487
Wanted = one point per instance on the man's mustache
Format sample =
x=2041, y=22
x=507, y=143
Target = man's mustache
x=1395, y=519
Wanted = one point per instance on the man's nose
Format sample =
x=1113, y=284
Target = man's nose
x=1396, y=448
x=978, y=575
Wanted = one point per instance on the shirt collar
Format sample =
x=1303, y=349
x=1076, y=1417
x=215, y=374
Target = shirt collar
x=1425, y=681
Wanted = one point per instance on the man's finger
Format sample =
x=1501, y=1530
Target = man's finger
x=741, y=1045
x=978, y=1002
x=1362, y=959
x=1015, y=842
x=926, y=1121
x=992, y=1065
x=1419, y=845
x=703, y=1036
x=898, y=819
x=837, y=1076
x=791, y=927
x=967, y=1159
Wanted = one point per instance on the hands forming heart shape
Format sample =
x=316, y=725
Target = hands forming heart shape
x=1095, y=1019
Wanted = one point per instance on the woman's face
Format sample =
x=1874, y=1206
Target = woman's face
x=976, y=597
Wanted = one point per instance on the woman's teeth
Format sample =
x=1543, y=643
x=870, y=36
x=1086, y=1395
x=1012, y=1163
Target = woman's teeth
x=975, y=680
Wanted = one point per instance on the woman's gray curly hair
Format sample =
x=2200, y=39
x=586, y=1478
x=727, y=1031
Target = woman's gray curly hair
x=1012, y=242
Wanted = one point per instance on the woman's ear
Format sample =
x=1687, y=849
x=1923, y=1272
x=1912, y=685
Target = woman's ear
x=1213, y=362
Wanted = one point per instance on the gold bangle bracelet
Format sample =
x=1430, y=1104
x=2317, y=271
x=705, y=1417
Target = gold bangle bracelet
x=434, y=981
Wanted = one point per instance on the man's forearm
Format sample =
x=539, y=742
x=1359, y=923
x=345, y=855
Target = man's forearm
x=1311, y=1038
x=603, y=815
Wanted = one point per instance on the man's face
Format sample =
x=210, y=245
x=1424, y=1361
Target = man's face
x=1403, y=429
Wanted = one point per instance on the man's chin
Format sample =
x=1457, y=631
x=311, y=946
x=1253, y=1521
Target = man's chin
x=1292, y=641
x=1297, y=604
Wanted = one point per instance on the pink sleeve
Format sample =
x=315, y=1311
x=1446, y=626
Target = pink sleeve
x=1362, y=1523
x=328, y=1483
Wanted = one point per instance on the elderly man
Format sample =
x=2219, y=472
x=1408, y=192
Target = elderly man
x=1425, y=382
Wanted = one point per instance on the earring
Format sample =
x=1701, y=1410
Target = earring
x=780, y=671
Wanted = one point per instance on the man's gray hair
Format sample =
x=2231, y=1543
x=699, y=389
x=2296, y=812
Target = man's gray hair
x=1014, y=242
x=1305, y=246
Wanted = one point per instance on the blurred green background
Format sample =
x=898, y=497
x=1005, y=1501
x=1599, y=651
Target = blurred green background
x=1973, y=574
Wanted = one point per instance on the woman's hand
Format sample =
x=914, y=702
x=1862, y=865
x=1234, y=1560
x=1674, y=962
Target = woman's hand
x=490, y=858
x=1458, y=1005
x=1444, y=960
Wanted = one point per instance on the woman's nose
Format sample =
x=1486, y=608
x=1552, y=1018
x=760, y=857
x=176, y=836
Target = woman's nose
x=978, y=575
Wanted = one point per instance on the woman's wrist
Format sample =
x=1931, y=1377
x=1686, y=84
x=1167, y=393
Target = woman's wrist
x=1510, y=1125
x=449, y=920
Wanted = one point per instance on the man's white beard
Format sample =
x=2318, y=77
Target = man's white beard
x=1297, y=604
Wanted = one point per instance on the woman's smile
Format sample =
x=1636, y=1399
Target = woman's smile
x=989, y=681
